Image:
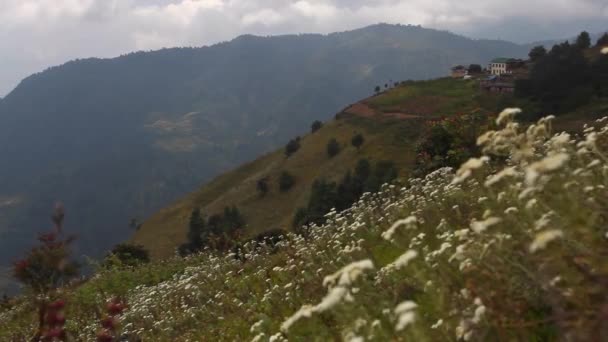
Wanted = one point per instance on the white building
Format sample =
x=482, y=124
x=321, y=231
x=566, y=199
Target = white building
x=498, y=66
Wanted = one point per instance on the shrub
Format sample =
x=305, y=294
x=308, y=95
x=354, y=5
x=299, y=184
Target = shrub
x=49, y=265
x=316, y=126
x=333, y=148
x=449, y=141
x=128, y=255
x=5, y=302
x=357, y=141
x=475, y=69
x=262, y=186
x=286, y=181
x=44, y=269
x=292, y=147
x=299, y=219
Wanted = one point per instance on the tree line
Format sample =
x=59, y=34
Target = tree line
x=326, y=195
x=567, y=76
x=218, y=231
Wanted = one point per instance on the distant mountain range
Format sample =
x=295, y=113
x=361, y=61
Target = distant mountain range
x=116, y=139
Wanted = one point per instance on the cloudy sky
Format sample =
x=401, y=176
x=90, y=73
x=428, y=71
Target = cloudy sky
x=35, y=34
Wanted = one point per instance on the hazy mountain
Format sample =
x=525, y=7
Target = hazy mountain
x=116, y=139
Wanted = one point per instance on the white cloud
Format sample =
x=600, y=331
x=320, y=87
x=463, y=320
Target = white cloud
x=38, y=33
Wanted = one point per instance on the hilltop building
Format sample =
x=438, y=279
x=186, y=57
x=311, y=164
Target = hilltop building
x=502, y=66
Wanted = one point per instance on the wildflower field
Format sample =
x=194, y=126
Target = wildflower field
x=511, y=246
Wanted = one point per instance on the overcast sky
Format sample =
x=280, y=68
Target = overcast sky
x=35, y=34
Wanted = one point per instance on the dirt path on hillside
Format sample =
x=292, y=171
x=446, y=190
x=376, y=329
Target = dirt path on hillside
x=363, y=110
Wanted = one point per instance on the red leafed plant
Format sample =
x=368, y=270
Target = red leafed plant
x=45, y=268
x=109, y=331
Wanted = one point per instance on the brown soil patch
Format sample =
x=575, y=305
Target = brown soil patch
x=423, y=105
x=402, y=116
x=362, y=109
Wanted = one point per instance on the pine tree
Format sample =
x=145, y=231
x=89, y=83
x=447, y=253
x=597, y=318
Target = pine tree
x=583, y=41
x=197, y=237
x=602, y=41
x=537, y=53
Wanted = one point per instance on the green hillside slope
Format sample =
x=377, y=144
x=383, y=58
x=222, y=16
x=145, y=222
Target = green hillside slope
x=389, y=139
x=391, y=122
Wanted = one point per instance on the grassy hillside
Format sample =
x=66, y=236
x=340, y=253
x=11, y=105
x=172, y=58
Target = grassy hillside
x=392, y=123
x=506, y=249
x=385, y=139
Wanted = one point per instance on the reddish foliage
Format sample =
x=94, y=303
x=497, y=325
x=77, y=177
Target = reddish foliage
x=45, y=268
x=109, y=324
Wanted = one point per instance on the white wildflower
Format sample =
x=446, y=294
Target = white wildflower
x=526, y=192
x=461, y=233
x=594, y=163
x=459, y=255
x=334, y=297
x=409, y=222
x=305, y=312
x=437, y=324
x=405, y=314
x=531, y=203
x=507, y=172
x=463, y=330
x=403, y=260
x=276, y=337
x=479, y=313
x=559, y=141
x=542, y=239
x=466, y=169
x=550, y=163
x=543, y=221
x=348, y=274
x=481, y=226
x=444, y=246
x=256, y=326
x=352, y=337
x=258, y=337
x=605, y=50
x=485, y=138
x=507, y=115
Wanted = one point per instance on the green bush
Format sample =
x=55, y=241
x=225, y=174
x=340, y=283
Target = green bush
x=333, y=148
x=127, y=255
x=286, y=181
x=357, y=141
x=292, y=147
